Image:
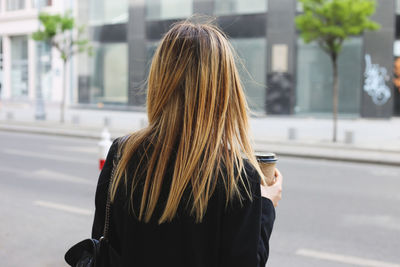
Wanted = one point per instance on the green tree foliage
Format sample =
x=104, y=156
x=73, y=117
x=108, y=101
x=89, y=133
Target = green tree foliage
x=66, y=37
x=329, y=23
x=59, y=30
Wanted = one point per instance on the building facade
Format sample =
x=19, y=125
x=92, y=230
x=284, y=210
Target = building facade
x=281, y=75
x=30, y=71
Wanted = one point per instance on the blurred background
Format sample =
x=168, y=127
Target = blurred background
x=341, y=200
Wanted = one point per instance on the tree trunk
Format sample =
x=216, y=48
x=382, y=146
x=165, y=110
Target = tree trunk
x=63, y=95
x=335, y=95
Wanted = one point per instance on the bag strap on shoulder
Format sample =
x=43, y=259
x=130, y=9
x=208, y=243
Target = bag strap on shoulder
x=116, y=158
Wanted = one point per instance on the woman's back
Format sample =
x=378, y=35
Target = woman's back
x=227, y=236
x=176, y=176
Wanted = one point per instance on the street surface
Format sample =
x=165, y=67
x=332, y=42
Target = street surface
x=331, y=214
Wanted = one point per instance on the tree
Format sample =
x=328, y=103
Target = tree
x=61, y=32
x=329, y=23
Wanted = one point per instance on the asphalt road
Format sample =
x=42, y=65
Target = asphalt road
x=331, y=214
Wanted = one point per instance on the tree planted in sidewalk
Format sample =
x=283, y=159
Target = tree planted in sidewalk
x=62, y=33
x=329, y=23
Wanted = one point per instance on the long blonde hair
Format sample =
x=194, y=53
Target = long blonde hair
x=195, y=102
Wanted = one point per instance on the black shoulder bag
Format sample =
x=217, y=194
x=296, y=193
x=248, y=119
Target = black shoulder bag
x=92, y=252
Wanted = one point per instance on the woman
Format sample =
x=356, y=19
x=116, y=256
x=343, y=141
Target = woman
x=187, y=189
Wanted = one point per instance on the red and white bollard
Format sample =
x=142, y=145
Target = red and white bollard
x=104, y=145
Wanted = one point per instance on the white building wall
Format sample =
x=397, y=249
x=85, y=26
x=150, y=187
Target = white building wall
x=25, y=22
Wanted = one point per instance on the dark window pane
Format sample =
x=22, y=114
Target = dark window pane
x=19, y=66
x=168, y=9
x=314, y=78
x=15, y=5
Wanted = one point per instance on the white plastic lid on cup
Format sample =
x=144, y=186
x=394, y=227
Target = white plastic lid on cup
x=266, y=157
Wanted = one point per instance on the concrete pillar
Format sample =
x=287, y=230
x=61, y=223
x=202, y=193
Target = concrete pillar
x=82, y=93
x=377, y=92
x=137, y=52
x=281, y=45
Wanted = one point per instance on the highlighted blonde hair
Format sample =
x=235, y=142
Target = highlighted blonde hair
x=195, y=103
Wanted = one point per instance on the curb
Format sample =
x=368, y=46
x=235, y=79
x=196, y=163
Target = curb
x=340, y=146
x=57, y=132
x=51, y=132
x=342, y=159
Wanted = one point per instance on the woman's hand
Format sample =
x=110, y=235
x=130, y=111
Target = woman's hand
x=273, y=192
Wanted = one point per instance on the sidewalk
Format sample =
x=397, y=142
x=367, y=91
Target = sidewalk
x=374, y=141
x=368, y=140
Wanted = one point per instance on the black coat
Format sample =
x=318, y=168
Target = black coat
x=233, y=236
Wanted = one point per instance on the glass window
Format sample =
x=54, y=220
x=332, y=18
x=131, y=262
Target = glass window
x=151, y=47
x=19, y=66
x=252, y=68
x=15, y=4
x=45, y=69
x=109, y=74
x=151, y=50
x=396, y=48
x=108, y=12
x=299, y=7
x=41, y=3
x=227, y=7
x=397, y=6
x=168, y=9
x=314, y=78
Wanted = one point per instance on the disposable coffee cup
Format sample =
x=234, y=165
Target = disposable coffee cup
x=267, y=162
